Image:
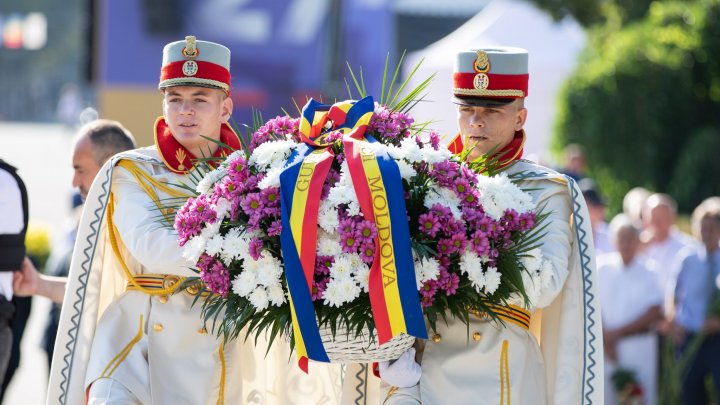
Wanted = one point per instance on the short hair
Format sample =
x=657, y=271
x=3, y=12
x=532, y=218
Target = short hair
x=107, y=138
x=622, y=222
x=658, y=199
x=709, y=208
x=634, y=202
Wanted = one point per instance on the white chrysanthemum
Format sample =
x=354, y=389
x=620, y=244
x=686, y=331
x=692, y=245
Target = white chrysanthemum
x=477, y=278
x=210, y=229
x=342, y=267
x=237, y=154
x=342, y=194
x=492, y=280
x=328, y=217
x=271, y=154
x=444, y=197
x=214, y=245
x=429, y=267
x=433, y=156
x=209, y=180
x=329, y=246
x=244, y=283
x=547, y=273
x=532, y=260
x=268, y=271
x=276, y=295
x=532, y=288
x=395, y=152
x=349, y=289
x=413, y=152
x=193, y=249
x=222, y=208
x=353, y=208
x=469, y=262
x=355, y=261
x=333, y=295
x=362, y=277
x=271, y=179
x=498, y=193
x=406, y=170
x=259, y=298
x=235, y=246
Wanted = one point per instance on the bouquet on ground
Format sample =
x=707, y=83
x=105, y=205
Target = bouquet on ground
x=629, y=391
x=354, y=221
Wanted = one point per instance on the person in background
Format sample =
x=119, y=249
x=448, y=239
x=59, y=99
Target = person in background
x=634, y=204
x=596, y=206
x=96, y=142
x=632, y=307
x=697, y=304
x=575, y=162
x=665, y=244
x=13, y=227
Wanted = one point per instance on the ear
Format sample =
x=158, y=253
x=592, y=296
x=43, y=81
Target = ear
x=227, y=108
x=520, y=118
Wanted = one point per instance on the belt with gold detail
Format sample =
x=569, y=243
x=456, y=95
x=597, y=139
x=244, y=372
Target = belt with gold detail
x=164, y=284
x=510, y=313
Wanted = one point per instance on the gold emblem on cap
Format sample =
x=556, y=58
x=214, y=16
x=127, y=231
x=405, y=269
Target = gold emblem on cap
x=482, y=62
x=481, y=81
x=190, y=68
x=190, y=50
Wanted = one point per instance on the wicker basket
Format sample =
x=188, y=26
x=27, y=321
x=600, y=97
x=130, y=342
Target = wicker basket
x=345, y=347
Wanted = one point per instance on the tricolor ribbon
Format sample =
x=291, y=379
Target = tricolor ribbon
x=376, y=178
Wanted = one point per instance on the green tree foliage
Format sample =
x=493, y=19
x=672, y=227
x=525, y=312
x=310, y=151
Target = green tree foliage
x=645, y=102
x=591, y=12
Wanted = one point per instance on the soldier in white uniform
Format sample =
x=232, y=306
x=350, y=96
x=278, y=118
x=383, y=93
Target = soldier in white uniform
x=550, y=352
x=127, y=334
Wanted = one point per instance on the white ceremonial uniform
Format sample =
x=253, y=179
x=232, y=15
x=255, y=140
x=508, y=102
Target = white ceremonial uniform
x=627, y=292
x=489, y=363
x=155, y=345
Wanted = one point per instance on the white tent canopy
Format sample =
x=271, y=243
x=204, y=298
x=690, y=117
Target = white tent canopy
x=553, y=49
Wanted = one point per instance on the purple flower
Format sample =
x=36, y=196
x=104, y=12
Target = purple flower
x=366, y=231
x=450, y=284
x=429, y=224
x=435, y=140
x=480, y=243
x=445, y=172
x=237, y=169
x=255, y=248
x=215, y=276
x=461, y=187
x=459, y=242
x=187, y=222
x=318, y=289
x=367, y=252
x=446, y=247
x=275, y=228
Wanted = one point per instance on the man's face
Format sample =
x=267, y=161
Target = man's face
x=194, y=111
x=84, y=166
x=627, y=243
x=660, y=217
x=490, y=128
x=710, y=232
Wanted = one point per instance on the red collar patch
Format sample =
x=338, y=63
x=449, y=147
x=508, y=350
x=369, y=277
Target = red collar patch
x=510, y=153
x=177, y=158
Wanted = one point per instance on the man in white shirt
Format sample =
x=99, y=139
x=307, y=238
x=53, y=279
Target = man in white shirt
x=13, y=225
x=632, y=303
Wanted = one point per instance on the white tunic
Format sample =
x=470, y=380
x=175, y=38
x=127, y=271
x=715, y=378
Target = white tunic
x=155, y=347
x=627, y=293
x=566, y=366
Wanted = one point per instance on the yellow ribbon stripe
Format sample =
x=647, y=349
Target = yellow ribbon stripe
x=387, y=254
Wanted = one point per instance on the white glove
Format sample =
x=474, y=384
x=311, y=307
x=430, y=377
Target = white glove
x=403, y=372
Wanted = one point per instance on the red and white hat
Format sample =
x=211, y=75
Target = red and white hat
x=195, y=63
x=490, y=76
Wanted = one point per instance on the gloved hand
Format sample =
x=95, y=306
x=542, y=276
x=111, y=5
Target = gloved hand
x=403, y=372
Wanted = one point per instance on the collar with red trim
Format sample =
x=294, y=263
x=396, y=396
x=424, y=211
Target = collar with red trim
x=507, y=155
x=177, y=158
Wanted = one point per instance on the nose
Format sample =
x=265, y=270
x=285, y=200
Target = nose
x=476, y=120
x=186, y=108
x=76, y=180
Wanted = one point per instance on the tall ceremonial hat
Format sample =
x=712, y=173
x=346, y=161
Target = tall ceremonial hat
x=195, y=63
x=491, y=76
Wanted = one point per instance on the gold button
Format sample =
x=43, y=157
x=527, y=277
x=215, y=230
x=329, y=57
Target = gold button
x=477, y=336
x=436, y=338
x=170, y=210
x=158, y=327
x=202, y=331
x=163, y=299
x=170, y=280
